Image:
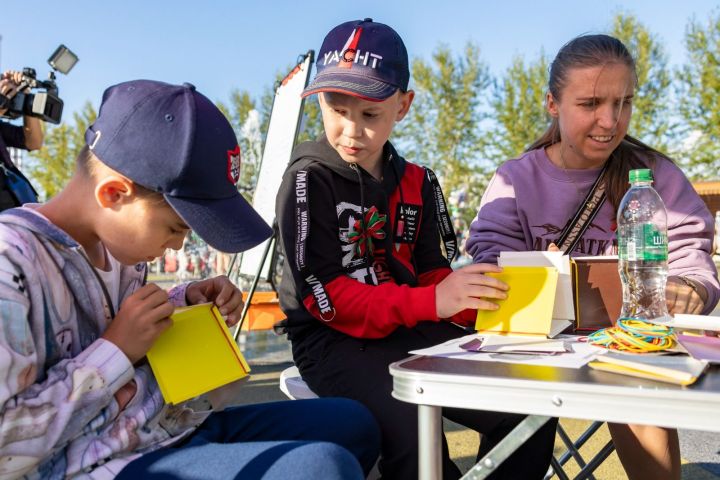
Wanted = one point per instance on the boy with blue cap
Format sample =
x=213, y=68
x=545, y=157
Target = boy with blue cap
x=77, y=397
x=365, y=278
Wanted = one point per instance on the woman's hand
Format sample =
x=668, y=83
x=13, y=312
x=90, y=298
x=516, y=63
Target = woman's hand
x=684, y=296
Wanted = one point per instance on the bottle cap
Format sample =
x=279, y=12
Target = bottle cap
x=641, y=175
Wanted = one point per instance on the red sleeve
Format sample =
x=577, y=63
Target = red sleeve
x=433, y=277
x=369, y=311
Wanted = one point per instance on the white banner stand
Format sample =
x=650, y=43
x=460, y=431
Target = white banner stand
x=285, y=119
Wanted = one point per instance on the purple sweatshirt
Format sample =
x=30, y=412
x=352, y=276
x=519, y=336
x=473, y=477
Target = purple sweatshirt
x=529, y=200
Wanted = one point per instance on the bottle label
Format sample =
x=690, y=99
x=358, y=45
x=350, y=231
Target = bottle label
x=656, y=248
x=631, y=250
x=647, y=243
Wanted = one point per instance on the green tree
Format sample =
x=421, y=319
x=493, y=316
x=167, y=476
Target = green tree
x=442, y=129
x=699, y=98
x=518, y=109
x=651, y=120
x=311, y=127
x=52, y=166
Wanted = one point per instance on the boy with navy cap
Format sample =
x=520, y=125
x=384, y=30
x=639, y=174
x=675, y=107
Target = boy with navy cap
x=77, y=397
x=365, y=279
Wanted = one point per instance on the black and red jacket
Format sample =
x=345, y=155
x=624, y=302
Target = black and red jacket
x=362, y=278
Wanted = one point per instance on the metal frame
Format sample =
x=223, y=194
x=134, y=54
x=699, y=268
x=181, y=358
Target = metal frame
x=573, y=451
x=436, y=382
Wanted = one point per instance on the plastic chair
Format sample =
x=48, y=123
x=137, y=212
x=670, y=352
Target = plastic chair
x=292, y=385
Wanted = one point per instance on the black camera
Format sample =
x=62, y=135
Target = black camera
x=44, y=103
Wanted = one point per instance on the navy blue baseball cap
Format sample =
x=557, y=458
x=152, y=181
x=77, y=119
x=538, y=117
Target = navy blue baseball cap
x=172, y=140
x=361, y=58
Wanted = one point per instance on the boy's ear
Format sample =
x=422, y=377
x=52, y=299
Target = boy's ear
x=405, y=100
x=551, y=105
x=114, y=190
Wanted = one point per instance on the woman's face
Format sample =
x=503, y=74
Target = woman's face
x=593, y=113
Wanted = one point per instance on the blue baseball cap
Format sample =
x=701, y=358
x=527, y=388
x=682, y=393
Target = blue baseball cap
x=361, y=58
x=172, y=140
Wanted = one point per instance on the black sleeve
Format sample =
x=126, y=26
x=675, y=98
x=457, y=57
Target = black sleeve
x=12, y=135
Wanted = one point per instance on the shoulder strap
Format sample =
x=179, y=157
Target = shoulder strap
x=586, y=212
x=445, y=226
x=17, y=185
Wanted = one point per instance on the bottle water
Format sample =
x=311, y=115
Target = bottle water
x=642, y=248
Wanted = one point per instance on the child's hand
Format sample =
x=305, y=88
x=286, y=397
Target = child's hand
x=221, y=291
x=143, y=316
x=466, y=288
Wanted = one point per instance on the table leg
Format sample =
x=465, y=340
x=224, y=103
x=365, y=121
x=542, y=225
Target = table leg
x=429, y=442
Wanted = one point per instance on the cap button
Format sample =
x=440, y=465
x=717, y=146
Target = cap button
x=367, y=20
x=189, y=85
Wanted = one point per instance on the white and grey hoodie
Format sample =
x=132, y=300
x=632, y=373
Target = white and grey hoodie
x=58, y=378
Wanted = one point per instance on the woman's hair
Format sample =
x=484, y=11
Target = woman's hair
x=588, y=51
x=88, y=165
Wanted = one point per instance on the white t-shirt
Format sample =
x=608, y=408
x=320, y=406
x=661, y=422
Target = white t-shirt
x=111, y=278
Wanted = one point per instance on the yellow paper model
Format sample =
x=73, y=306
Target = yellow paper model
x=196, y=354
x=528, y=309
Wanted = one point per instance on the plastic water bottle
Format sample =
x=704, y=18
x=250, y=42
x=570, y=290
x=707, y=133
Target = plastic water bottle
x=642, y=248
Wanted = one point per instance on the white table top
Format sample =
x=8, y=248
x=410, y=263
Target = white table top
x=560, y=392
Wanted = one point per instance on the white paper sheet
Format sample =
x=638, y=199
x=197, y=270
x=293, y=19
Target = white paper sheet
x=580, y=354
x=686, y=320
x=505, y=344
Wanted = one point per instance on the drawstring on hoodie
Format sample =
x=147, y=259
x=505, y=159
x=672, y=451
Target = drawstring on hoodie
x=362, y=210
x=367, y=257
x=354, y=166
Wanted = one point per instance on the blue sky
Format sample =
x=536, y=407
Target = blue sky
x=221, y=45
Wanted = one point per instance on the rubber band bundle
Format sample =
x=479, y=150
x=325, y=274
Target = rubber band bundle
x=635, y=336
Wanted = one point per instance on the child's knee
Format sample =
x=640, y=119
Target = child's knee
x=328, y=461
x=362, y=419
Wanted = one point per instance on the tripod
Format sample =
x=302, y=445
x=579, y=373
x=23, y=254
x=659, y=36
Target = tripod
x=269, y=247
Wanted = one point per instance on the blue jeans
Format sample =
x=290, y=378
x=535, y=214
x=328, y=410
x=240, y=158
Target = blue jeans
x=328, y=438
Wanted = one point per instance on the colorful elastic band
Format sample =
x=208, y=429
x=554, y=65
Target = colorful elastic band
x=635, y=336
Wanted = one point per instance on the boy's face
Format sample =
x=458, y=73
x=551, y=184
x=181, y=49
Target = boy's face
x=357, y=129
x=136, y=228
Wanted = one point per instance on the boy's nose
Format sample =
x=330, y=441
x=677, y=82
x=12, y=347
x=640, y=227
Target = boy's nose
x=351, y=129
x=175, y=243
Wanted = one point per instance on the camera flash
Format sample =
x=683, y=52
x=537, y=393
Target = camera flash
x=62, y=59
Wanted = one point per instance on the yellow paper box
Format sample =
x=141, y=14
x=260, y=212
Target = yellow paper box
x=196, y=354
x=528, y=309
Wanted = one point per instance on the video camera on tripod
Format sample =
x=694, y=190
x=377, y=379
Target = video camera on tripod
x=45, y=103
